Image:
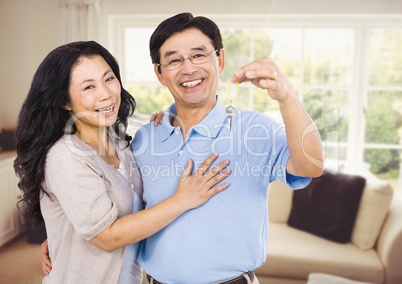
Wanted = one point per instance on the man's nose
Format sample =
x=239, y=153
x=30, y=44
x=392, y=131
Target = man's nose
x=187, y=64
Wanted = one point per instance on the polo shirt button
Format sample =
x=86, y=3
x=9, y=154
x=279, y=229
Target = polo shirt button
x=180, y=152
x=132, y=186
x=176, y=132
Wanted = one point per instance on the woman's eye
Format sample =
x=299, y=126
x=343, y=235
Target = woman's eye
x=88, y=87
x=110, y=79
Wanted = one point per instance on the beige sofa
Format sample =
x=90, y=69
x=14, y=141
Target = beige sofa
x=373, y=255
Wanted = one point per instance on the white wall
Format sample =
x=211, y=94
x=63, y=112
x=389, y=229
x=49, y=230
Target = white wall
x=252, y=6
x=29, y=29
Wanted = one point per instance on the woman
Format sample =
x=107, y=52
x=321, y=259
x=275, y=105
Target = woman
x=78, y=174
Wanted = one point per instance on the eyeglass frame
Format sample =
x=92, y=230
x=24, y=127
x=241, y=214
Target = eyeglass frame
x=190, y=59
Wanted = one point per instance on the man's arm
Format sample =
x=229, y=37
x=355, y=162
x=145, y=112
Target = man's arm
x=46, y=263
x=306, y=154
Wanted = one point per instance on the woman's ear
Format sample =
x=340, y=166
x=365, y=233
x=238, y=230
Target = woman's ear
x=67, y=107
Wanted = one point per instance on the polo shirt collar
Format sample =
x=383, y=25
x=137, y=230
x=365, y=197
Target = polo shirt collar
x=210, y=126
x=166, y=128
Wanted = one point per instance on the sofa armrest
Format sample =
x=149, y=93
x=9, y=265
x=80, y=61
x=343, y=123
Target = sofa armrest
x=279, y=202
x=389, y=245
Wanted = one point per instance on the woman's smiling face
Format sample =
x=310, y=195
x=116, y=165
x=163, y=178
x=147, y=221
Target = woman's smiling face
x=94, y=93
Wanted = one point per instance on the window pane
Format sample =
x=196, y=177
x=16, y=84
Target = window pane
x=385, y=57
x=384, y=134
x=150, y=98
x=331, y=108
x=386, y=164
x=328, y=56
x=384, y=117
x=236, y=43
x=138, y=64
x=140, y=79
x=287, y=51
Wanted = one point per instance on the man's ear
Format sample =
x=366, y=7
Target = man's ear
x=159, y=75
x=221, y=60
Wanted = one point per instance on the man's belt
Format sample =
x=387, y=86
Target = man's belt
x=241, y=279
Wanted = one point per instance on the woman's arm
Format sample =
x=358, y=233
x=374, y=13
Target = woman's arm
x=192, y=191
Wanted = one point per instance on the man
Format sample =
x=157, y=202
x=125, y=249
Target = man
x=225, y=239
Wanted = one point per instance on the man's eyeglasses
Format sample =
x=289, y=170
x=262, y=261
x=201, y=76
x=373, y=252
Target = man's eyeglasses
x=197, y=58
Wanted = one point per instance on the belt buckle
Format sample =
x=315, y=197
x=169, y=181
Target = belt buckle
x=246, y=277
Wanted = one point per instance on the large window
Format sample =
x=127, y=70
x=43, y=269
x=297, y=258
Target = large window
x=347, y=72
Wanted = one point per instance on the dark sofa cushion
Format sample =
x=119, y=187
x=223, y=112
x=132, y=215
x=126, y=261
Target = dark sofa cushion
x=328, y=206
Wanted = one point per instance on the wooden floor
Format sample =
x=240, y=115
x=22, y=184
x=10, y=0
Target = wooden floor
x=20, y=262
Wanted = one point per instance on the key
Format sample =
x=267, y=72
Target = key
x=230, y=111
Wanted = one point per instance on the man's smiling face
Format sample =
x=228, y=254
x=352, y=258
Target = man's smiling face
x=191, y=85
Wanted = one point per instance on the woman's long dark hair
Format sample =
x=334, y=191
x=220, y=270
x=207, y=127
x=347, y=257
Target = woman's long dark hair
x=42, y=119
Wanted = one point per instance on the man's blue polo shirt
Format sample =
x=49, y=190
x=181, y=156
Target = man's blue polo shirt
x=227, y=235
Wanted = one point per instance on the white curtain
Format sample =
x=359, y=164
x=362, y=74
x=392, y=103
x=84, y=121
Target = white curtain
x=81, y=20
